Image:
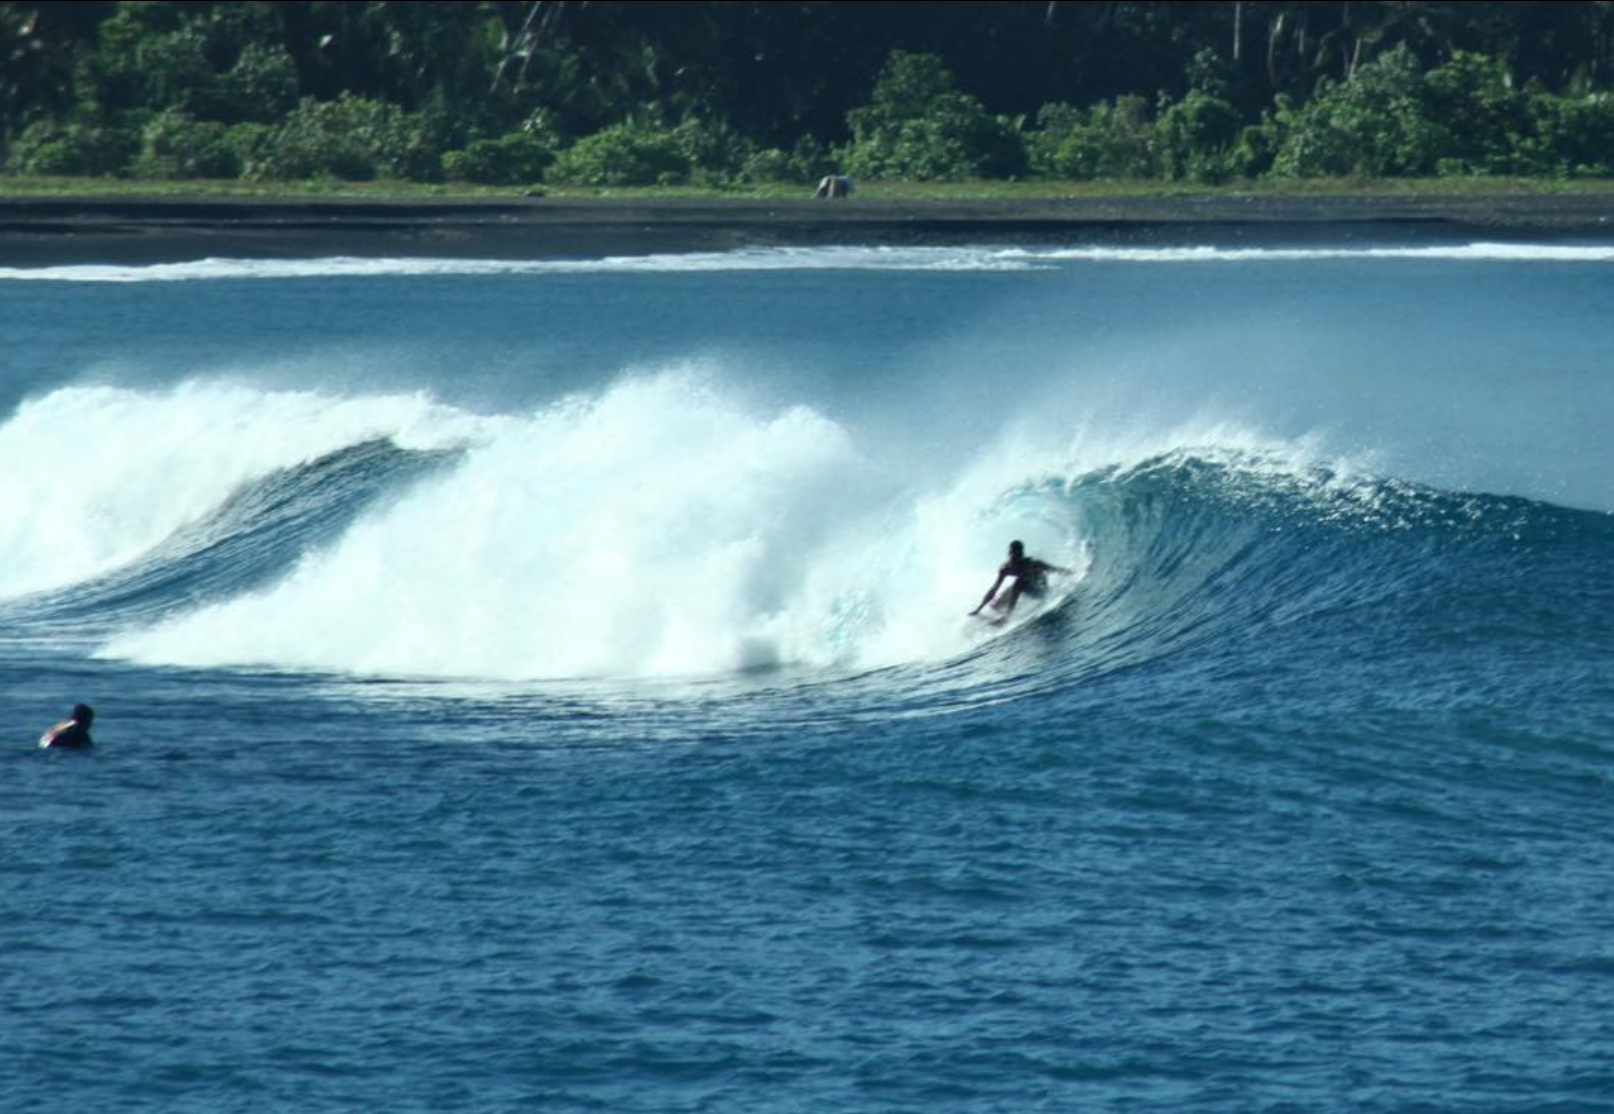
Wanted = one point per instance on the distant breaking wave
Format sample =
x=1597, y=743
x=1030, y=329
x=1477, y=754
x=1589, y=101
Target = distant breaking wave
x=768, y=259
x=1479, y=252
x=915, y=259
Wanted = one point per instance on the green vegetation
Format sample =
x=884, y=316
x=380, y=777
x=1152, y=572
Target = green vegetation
x=917, y=126
x=975, y=190
x=764, y=98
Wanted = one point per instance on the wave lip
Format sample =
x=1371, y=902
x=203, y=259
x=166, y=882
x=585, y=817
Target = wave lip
x=260, y=532
x=145, y=466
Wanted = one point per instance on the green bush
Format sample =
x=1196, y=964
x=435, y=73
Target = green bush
x=811, y=159
x=1258, y=144
x=717, y=153
x=1196, y=138
x=1569, y=137
x=518, y=158
x=1375, y=124
x=1109, y=140
x=771, y=165
x=1463, y=117
x=351, y=138
x=1481, y=117
x=625, y=154
x=251, y=145
x=804, y=164
x=74, y=149
x=174, y=145
x=917, y=126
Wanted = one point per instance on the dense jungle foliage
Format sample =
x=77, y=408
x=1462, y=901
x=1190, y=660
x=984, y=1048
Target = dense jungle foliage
x=591, y=92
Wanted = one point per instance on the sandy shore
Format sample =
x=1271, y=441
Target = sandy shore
x=44, y=232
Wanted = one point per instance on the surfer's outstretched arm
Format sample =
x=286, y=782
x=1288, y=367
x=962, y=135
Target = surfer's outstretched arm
x=990, y=592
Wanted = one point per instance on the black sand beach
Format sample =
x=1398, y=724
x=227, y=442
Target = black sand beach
x=44, y=232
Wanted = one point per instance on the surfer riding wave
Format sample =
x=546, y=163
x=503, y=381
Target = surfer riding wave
x=1030, y=577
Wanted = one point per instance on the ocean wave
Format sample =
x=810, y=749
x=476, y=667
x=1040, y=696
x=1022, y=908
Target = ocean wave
x=747, y=259
x=662, y=528
x=981, y=258
x=1467, y=253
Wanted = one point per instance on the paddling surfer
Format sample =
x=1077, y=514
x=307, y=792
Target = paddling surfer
x=1030, y=579
x=72, y=733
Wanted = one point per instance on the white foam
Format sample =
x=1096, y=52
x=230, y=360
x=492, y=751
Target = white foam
x=761, y=259
x=850, y=258
x=1472, y=253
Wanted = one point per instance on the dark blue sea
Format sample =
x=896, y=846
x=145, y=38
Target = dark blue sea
x=549, y=686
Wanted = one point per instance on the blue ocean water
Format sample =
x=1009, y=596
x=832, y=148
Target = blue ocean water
x=530, y=686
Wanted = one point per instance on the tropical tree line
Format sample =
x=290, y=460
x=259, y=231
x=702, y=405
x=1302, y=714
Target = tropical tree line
x=597, y=93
